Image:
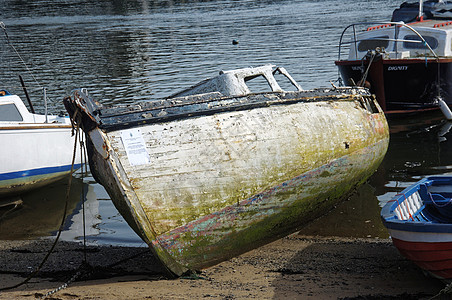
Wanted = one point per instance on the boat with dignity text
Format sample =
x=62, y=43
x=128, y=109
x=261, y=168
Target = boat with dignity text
x=218, y=169
x=406, y=62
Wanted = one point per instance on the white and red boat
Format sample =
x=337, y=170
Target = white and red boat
x=406, y=63
x=419, y=220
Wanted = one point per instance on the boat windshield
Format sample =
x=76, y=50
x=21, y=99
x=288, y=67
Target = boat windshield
x=371, y=44
x=9, y=112
x=359, y=41
x=407, y=44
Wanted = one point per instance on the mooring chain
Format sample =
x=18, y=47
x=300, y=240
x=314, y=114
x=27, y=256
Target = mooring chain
x=445, y=291
x=82, y=270
x=63, y=286
x=75, y=130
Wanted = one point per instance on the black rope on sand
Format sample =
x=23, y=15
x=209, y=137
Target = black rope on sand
x=85, y=270
x=63, y=220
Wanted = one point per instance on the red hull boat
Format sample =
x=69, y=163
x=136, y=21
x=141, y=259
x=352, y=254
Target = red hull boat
x=419, y=220
x=406, y=63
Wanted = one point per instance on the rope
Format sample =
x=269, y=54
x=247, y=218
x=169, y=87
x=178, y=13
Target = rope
x=439, y=205
x=444, y=291
x=84, y=270
x=363, y=80
x=3, y=26
x=63, y=220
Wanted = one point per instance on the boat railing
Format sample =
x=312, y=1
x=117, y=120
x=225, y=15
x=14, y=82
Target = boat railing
x=396, y=26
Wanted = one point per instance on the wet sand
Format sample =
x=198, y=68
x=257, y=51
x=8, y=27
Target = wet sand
x=295, y=267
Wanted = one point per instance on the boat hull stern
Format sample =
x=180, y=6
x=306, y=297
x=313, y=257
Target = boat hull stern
x=208, y=187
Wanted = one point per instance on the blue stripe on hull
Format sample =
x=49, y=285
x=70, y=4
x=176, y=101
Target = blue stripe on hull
x=37, y=172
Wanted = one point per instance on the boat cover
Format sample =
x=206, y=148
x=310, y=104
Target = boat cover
x=409, y=11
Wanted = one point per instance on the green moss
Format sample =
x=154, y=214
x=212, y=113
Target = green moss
x=310, y=200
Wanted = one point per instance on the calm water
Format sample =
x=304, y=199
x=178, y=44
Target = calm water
x=127, y=51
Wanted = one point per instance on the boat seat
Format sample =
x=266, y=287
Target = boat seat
x=437, y=207
x=440, y=208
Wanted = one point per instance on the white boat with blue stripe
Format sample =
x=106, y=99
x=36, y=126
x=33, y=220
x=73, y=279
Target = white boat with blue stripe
x=35, y=149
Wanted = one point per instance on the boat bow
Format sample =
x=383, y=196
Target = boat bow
x=202, y=178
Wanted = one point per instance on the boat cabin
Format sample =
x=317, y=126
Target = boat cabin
x=13, y=110
x=431, y=38
x=244, y=81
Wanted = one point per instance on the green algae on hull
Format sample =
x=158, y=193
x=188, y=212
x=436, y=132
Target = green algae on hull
x=228, y=174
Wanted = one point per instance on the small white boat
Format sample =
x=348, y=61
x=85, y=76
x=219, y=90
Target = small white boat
x=35, y=149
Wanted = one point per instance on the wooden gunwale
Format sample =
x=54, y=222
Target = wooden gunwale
x=29, y=126
x=129, y=116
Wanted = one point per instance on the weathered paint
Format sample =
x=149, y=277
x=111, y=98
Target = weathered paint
x=221, y=184
x=286, y=205
x=229, y=173
x=197, y=171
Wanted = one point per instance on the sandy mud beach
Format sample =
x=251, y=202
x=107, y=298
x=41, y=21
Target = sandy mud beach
x=295, y=267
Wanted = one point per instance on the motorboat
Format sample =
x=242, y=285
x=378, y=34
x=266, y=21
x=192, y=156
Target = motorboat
x=406, y=62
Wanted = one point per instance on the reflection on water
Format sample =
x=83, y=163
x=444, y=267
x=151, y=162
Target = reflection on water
x=98, y=221
x=418, y=147
x=41, y=212
x=124, y=51
x=127, y=51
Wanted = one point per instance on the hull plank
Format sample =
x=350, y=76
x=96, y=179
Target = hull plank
x=239, y=161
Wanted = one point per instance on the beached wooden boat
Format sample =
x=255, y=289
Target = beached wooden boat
x=419, y=220
x=215, y=170
x=36, y=149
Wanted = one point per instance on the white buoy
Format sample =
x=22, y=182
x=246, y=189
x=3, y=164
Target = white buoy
x=444, y=108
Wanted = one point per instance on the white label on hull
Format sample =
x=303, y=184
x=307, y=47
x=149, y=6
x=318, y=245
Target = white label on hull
x=135, y=147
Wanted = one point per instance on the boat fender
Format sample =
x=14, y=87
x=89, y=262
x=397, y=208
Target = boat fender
x=444, y=108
